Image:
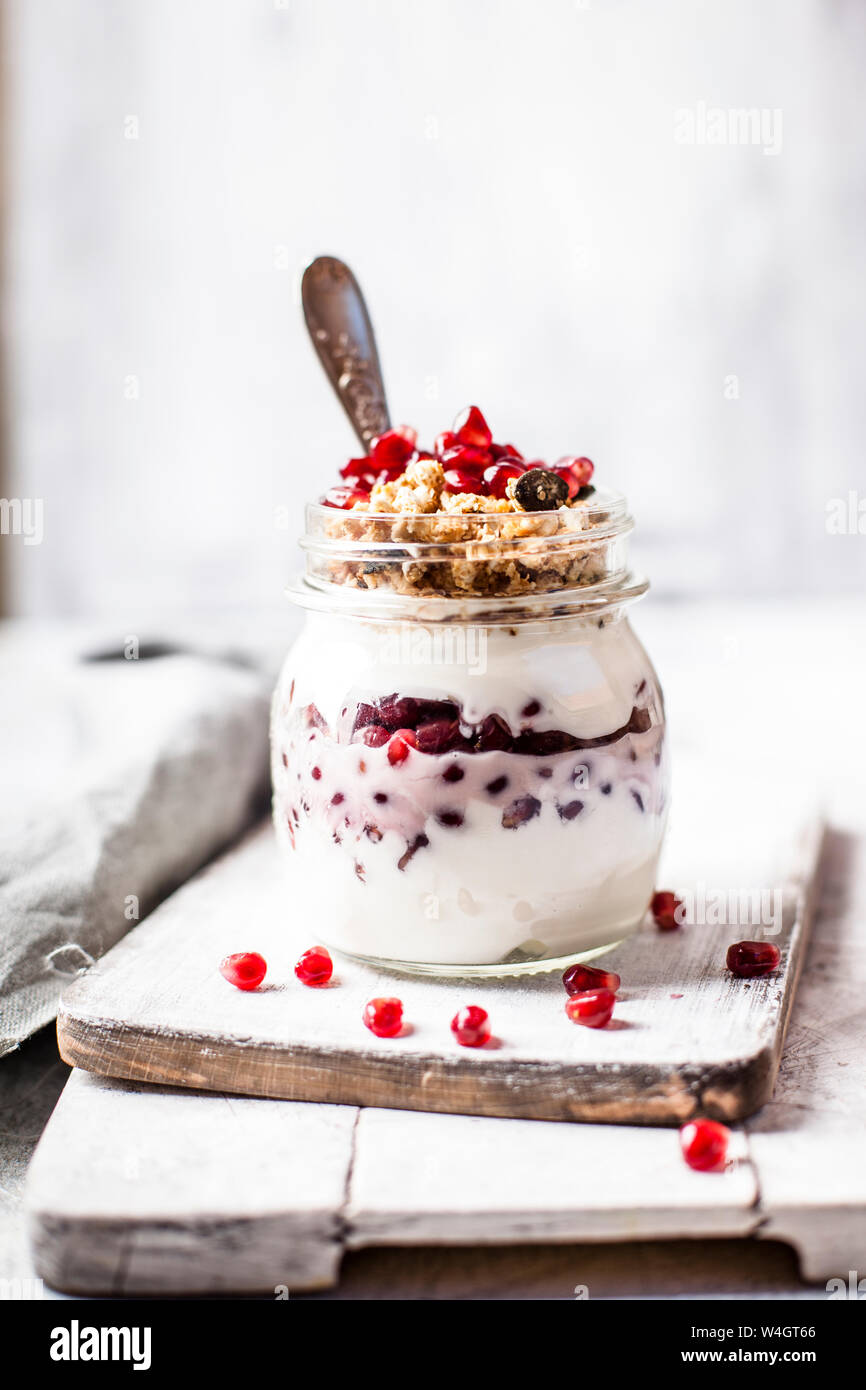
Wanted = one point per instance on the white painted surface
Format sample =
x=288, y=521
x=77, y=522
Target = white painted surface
x=155, y=1192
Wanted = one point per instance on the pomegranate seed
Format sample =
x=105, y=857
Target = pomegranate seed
x=505, y=451
x=471, y=1026
x=750, y=958
x=498, y=475
x=462, y=480
x=384, y=1017
x=398, y=748
x=705, y=1145
x=664, y=908
x=446, y=440
x=315, y=966
x=394, y=448
x=343, y=497
x=374, y=735
x=467, y=456
x=583, y=469
x=472, y=428
x=568, y=476
x=356, y=468
x=579, y=978
x=245, y=969
x=592, y=1007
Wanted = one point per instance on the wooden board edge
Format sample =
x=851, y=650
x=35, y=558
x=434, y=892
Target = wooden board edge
x=729, y=1091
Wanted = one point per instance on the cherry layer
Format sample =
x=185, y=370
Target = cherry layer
x=439, y=727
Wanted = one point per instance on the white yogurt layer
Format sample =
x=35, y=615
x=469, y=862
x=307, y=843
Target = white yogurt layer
x=425, y=861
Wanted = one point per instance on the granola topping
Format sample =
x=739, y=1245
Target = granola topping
x=472, y=517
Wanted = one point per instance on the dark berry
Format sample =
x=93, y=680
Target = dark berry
x=520, y=811
x=497, y=785
x=539, y=490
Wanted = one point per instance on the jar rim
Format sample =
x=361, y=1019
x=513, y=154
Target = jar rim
x=468, y=566
x=386, y=606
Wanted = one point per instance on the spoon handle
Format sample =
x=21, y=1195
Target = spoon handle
x=342, y=334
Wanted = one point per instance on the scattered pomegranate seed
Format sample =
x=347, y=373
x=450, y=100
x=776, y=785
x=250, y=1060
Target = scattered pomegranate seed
x=344, y=497
x=472, y=428
x=750, y=958
x=705, y=1145
x=384, y=1017
x=463, y=480
x=578, y=978
x=398, y=748
x=245, y=969
x=315, y=966
x=394, y=447
x=498, y=476
x=592, y=1007
x=471, y=1026
x=664, y=907
x=446, y=440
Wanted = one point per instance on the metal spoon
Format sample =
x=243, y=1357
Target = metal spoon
x=342, y=334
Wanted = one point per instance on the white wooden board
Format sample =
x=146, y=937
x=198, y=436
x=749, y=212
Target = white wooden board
x=687, y=1038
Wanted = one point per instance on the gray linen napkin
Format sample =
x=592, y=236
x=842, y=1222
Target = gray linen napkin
x=118, y=779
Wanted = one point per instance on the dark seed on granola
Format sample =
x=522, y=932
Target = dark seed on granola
x=497, y=785
x=638, y=798
x=454, y=773
x=570, y=810
x=450, y=818
x=539, y=490
x=520, y=811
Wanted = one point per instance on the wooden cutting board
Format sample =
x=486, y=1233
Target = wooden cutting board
x=686, y=1037
x=140, y=1189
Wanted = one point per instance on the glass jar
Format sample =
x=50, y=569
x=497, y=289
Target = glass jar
x=468, y=740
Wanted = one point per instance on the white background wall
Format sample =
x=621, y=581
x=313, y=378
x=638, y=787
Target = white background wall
x=504, y=178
